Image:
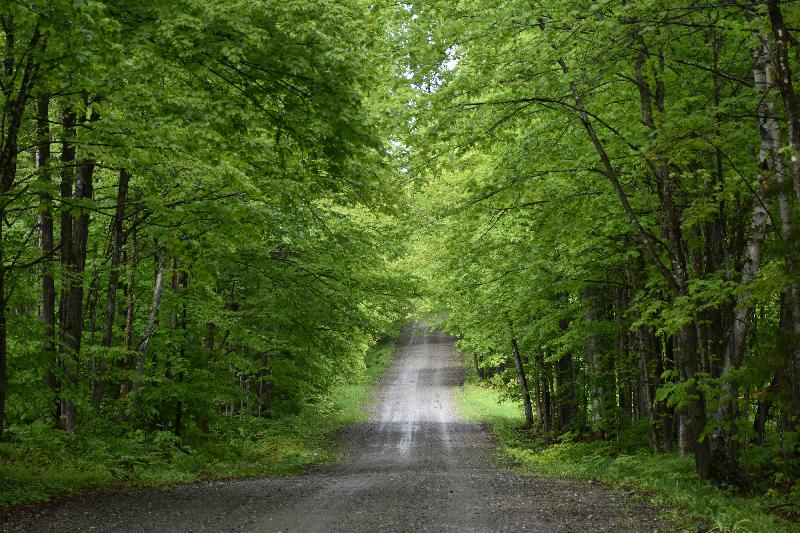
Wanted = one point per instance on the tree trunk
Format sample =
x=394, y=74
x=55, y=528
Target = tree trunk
x=144, y=342
x=666, y=412
x=694, y=419
x=784, y=82
x=596, y=391
x=547, y=399
x=178, y=321
x=770, y=162
x=695, y=410
x=130, y=299
x=66, y=307
x=643, y=347
x=476, y=365
x=74, y=254
x=117, y=242
x=3, y=339
x=566, y=395
x=46, y=246
x=14, y=107
x=537, y=386
x=523, y=384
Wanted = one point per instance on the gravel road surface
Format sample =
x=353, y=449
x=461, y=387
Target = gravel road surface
x=414, y=467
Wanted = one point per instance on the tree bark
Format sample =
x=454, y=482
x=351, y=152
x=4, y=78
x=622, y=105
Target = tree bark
x=523, y=384
x=677, y=277
x=46, y=245
x=537, y=391
x=477, y=366
x=783, y=80
x=144, y=342
x=547, y=397
x=3, y=339
x=74, y=258
x=596, y=391
x=117, y=242
x=178, y=321
x=130, y=305
x=770, y=163
x=643, y=347
x=67, y=311
x=14, y=107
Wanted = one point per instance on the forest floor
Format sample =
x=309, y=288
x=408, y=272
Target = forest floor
x=416, y=465
x=665, y=481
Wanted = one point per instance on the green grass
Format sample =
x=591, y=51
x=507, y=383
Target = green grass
x=667, y=481
x=38, y=463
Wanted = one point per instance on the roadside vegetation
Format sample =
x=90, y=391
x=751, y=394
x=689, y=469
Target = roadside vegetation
x=39, y=463
x=211, y=210
x=200, y=231
x=667, y=481
x=611, y=202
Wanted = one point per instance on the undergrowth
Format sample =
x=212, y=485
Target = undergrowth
x=38, y=463
x=667, y=481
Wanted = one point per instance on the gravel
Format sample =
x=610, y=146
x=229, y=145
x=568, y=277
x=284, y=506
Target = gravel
x=414, y=467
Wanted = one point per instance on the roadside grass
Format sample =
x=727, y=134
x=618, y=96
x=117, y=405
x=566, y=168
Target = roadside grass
x=667, y=481
x=39, y=464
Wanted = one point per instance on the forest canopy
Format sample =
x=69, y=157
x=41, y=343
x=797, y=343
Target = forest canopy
x=612, y=198
x=211, y=212
x=198, y=218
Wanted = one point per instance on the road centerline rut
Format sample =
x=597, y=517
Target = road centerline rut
x=414, y=466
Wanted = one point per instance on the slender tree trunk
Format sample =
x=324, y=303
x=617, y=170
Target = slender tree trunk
x=596, y=390
x=13, y=109
x=117, y=242
x=770, y=162
x=75, y=262
x=476, y=365
x=537, y=385
x=647, y=352
x=3, y=339
x=667, y=361
x=566, y=397
x=130, y=306
x=178, y=321
x=643, y=347
x=144, y=342
x=208, y=344
x=785, y=83
x=66, y=308
x=46, y=246
x=268, y=397
x=523, y=383
x=547, y=401
x=8, y=167
x=693, y=420
x=783, y=80
x=567, y=406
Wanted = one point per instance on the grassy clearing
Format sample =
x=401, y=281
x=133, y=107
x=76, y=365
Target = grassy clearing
x=38, y=463
x=665, y=480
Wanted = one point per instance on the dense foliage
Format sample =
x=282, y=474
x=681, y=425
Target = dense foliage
x=198, y=213
x=204, y=224
x=611, y=194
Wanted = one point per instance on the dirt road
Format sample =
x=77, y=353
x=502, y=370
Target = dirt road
x=414, y=467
